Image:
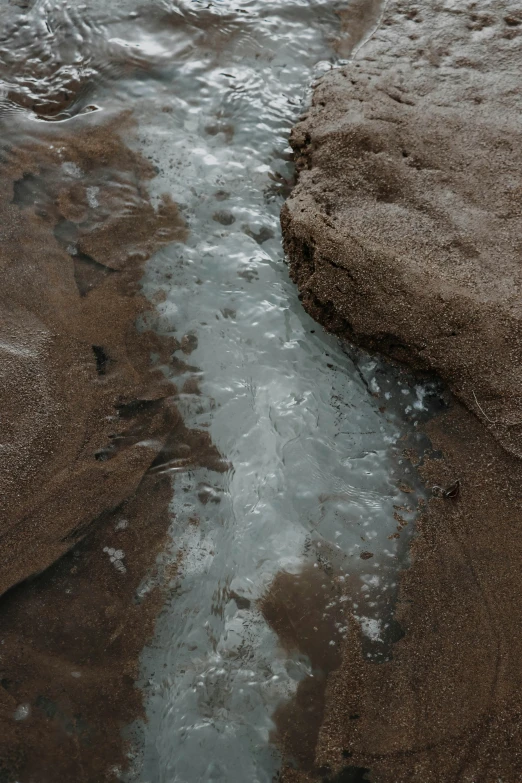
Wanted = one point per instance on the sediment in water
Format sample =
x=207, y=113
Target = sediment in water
x=403, y=235
x=306, y=611
x=89, y=421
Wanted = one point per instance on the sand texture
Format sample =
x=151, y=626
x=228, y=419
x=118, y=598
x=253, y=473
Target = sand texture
x=404, y=235
x=89, y=427
x=405, y=229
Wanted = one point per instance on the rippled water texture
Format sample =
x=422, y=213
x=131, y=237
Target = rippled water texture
x=312, y=435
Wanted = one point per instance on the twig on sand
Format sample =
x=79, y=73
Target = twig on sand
x=496, y=421
x=481, y=409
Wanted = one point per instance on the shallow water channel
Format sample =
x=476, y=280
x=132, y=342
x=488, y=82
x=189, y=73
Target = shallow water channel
x=312, y=433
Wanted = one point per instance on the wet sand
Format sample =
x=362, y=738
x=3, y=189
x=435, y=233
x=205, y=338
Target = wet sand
x=447, y=707
x=78, y=391
x=90, y=426
x=403, y=235
x=303, y=610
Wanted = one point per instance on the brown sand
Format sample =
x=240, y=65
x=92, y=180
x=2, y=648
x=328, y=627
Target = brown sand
x=85, y=417
x=448, y=707
x=403, y=235
x=404, y=231
x=298, y=607
x=73, y=366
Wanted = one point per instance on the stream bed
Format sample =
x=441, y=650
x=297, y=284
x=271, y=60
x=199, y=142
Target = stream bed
x=312, y=432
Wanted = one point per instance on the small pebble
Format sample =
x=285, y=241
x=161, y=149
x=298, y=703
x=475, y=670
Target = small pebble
x=22, y=712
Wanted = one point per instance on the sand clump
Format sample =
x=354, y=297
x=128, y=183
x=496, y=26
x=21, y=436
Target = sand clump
x=404, y=229
x=403, y=235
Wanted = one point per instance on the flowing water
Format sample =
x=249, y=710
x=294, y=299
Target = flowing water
x=312, y=434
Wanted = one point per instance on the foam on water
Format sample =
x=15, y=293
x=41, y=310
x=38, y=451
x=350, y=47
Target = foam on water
x=316, y=467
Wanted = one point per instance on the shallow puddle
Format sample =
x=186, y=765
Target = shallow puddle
x=317, y=494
